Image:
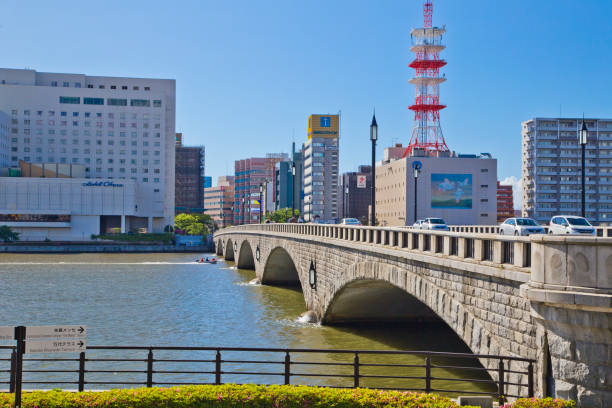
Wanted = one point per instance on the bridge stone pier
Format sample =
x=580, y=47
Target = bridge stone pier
x=545, y=298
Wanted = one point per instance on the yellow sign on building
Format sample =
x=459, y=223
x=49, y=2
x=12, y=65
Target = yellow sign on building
x=323, y=126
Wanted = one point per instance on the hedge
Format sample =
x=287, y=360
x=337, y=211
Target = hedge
x=165, y=237
x=244, y=396
x=541, y=403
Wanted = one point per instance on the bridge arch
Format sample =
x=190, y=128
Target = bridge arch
x=280, y=269
x=229, y=250
x=219, y=247
x=246, y=259
x=365, y=289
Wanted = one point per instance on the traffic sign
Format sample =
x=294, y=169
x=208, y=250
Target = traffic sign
x=55, y=346
x=417, y=165
x=7, y=333
x=55, y=332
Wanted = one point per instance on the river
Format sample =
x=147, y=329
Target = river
x=169, y=300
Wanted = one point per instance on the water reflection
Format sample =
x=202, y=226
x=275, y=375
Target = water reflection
x=168, y=299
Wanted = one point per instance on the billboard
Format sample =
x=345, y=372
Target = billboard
x=361, y=181
x=323, y=126
x=451, y=191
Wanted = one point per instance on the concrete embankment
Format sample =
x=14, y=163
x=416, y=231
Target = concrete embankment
x=97, y=247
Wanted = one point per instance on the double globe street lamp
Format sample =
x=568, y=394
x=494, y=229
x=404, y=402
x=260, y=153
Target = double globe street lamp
x=582, y=136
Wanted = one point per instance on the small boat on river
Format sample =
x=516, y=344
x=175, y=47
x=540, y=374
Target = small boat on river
x=207, y=260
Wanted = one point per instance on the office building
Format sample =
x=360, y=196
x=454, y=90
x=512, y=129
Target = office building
x=189, y=177
x=219, y=201
x=288, y=177
x=321, y=152
x=461, y=189
x=505, y=202
x=122, y=130
x=356, y=193
x=4, y=140
x=552, y=169
x=250, y=174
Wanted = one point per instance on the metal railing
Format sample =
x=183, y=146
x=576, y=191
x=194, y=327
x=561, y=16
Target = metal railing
x=156, y=366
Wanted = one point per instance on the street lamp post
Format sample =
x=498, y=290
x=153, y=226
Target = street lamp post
x=260, y=200
x=583, y=142
x=346, y=199
x=416, y=176
x=373, y=137
x=292, y=189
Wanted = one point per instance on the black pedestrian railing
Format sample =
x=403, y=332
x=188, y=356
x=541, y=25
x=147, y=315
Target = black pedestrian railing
x=424, y=371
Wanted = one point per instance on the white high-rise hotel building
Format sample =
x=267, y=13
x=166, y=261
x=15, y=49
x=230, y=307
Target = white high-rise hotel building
x=122, y=130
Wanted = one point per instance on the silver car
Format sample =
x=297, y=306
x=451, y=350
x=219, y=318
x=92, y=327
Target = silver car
x=520, y=226
x=418, y=224
x=570, y=224
x=435, y=224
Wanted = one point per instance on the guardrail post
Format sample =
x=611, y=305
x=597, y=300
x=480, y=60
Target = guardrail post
x=20, y=333
x=13, y=368
x=218, y=368
x=287, y=368
x=501, y=374
x=150, y=368
x=530, y=380
x=428, y=374
x=356, y=371
x=81, y=371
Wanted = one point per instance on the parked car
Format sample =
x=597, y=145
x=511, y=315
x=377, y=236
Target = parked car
x=436, y=224
x=350, y=221
x=418, y=224
x=520, y=226
x=570, y=224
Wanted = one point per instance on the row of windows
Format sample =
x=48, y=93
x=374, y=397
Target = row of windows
x=66, y=84
x=111, y=115
x=76, y=100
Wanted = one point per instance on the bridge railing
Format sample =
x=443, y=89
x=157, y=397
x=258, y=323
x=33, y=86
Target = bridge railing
x=477, y=247
x=601, y=231
x=128, y=366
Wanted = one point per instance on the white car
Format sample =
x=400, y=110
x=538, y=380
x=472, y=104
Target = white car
x=570, y=224
x=418, y=224
x=350, y=221
x=520, y=226
x=435, y=224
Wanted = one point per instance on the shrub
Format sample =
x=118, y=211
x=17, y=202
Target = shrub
x=165, y=237
x=7, y=234
x=229, y=395
x=541, y=403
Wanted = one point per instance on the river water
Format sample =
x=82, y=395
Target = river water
x=169, y=300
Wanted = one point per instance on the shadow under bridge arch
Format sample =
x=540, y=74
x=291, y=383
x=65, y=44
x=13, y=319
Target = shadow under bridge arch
x=280, y=269
x=229, y=250
x=376, y=301
x=245, y=256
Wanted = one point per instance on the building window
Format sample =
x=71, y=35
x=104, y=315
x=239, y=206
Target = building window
x=70, y=99
x=116, y=102
x=53, y=83
x=66, y=84
x=157, y=103
x=140, y=102
x=93, y=101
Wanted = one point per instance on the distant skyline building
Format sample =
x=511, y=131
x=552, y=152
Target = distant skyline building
x=207, y=181
x=219, y=201
x=356, y=188
x=505, y=202
x=249, y=175
x=321, y=161
x=121, y=130
x=4, y=140
x=460, y=188
x=288, y=190
x=189, y=177
x=552, y=167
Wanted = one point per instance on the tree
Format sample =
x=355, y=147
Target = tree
x=282, y=215
x=182, y=221
x=7, y=234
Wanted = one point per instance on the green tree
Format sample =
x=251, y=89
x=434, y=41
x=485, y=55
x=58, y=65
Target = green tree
x=183, y=221
x=7, y=234
x=282, y=215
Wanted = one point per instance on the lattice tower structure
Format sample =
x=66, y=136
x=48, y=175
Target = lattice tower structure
x=427, y=45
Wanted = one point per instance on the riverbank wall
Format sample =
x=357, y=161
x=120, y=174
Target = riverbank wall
x=98, y=247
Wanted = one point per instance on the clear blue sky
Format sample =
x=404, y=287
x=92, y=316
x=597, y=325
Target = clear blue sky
x=250, y=72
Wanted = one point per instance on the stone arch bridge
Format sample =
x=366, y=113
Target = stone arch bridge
x=544, y=298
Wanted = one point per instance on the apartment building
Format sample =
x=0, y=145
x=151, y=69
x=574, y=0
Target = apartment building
x=552, y=166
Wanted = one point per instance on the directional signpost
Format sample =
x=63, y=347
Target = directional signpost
x=41, y=339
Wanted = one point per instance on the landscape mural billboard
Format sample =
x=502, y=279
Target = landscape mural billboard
x=451, y=191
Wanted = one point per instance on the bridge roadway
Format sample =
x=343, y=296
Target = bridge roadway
x=547, y=298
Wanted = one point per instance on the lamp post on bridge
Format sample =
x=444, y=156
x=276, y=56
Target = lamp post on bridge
x=292, y=189
x=582, y=136
x=260, y=200
x=373, y=138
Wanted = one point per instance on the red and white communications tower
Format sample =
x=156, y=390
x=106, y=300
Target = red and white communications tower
x=427, y=45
